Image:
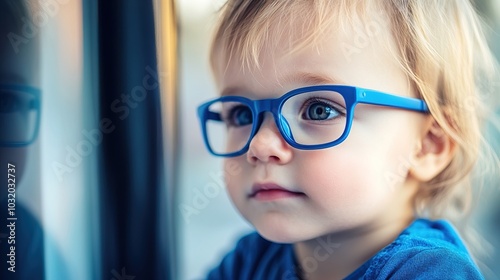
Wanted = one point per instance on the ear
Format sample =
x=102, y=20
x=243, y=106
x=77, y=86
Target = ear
x=436, y=150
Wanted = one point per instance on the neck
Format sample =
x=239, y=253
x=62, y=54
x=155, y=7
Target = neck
x=335, y=256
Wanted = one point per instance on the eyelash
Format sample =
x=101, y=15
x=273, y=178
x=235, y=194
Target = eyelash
x=341, y=110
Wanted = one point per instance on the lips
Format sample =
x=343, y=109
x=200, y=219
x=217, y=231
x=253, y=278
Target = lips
x=271, y=191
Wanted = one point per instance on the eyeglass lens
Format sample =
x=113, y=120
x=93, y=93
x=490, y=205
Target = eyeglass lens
x=18, y=116
x=313, y=118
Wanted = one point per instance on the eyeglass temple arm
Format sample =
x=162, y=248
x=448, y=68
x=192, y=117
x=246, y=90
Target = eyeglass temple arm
x=384, y=99
x=213, y=116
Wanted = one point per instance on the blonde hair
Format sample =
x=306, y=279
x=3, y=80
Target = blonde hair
x=441, y=47
x=445, y=54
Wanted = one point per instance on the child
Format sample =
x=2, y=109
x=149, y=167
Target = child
x=350, y=121
x=21, y=234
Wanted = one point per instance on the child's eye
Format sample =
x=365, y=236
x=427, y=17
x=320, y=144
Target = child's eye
x=319, y=110
x=239, y=116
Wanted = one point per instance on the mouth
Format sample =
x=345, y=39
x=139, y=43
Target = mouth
x=271, y=191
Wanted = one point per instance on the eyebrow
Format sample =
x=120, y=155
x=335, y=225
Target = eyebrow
x=231, y=91
x=301, y=78
x=306, y=78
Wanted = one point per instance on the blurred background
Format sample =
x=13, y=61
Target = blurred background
x=112, y=211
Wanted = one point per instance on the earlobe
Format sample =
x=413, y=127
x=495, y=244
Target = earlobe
x=436, y=150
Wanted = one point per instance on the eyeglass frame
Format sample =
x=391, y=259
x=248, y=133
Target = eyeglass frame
x=35, y=92
x=352, y=96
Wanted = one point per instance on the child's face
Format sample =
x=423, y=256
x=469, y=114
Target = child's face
x=349, y=188
x=18, y=65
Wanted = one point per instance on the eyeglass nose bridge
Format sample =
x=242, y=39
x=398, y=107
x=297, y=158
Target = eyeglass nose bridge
x=272, y=106
x=261, y=107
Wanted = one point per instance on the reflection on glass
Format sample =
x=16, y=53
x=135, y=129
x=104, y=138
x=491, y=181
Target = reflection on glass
x=19, y=115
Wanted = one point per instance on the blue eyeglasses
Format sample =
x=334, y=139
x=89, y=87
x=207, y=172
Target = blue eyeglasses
x=308, y=118
x=19, y=115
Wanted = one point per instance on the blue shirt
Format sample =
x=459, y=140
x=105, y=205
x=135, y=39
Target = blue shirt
x=424, y=250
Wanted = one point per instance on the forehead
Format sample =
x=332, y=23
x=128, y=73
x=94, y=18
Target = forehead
x=19, y=58
x=294, y=55
x=247, y=29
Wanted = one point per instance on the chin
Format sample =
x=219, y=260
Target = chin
x=281, y=232
x=277, y=237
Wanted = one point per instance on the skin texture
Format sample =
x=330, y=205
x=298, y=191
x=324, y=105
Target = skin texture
x=357, y=196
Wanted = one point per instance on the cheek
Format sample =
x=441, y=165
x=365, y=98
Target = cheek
x=337, y=178
x=16, y=156
x=359, y=172
x=386, y=141
x=234, y=176
x=346, y=190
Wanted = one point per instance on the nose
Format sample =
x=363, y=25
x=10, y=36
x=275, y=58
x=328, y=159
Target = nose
x=268, y=145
